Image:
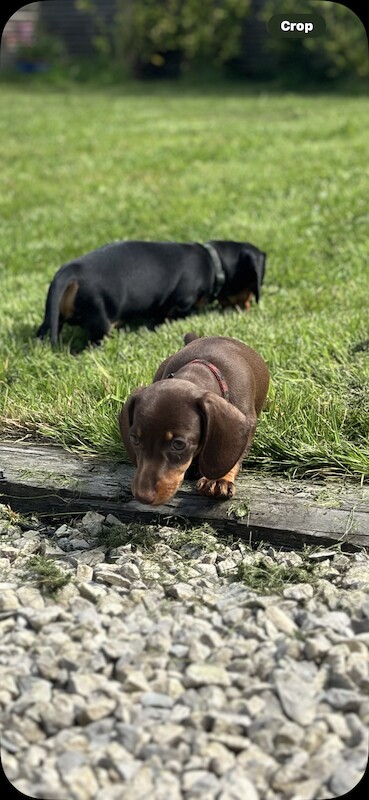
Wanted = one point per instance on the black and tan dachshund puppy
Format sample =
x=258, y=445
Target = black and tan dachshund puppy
x=154, y=281
x=202, y=406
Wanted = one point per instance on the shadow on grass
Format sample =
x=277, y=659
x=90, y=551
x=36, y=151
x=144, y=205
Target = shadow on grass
x=360, y=347
x=74, y=337
x=195, y=86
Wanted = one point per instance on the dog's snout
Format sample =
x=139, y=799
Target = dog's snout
x=147, y=496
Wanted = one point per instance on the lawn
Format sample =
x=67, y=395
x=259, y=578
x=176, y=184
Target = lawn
x=287, y=172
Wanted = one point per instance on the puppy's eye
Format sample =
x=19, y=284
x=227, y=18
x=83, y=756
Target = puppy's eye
x=178, y=444
x=134, y=439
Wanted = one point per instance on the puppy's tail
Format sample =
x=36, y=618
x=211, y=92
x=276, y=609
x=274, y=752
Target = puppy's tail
x=190, y=337
x=62, y=292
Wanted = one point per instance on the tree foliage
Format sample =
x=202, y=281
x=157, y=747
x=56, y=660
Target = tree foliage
x=144, y=30
x=341, y=51
x=212, y=32
x=209, y=30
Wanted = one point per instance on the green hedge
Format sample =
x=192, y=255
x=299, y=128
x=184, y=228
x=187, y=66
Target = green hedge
x=342, y=51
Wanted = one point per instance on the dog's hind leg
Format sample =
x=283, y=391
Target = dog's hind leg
x=98, y=324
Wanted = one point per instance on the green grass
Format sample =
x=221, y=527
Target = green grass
x=265, y=576
x=47, y=576
x=177, y=538
x=286, y=172
x=258, y=570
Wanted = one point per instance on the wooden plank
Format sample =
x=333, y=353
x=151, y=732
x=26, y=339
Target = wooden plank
x=49, y=481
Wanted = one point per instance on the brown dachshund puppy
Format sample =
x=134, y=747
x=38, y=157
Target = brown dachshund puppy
x=203, y=405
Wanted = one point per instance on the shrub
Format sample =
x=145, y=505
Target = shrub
x=339, y=53
x=171, y=34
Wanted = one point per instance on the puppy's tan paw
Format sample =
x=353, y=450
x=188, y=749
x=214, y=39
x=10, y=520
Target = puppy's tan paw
x=221, y=489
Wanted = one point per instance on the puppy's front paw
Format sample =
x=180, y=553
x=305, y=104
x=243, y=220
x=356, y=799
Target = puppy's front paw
x=221, y=489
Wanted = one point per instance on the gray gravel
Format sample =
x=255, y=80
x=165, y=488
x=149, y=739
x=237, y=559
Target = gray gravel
x=154, y=674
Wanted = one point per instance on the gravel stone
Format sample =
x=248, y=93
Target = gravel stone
x=298, y=591
x=8, y=599
x=155, y=674
x=180, y=591
x=30, y=596
x=346, y=777
x=130, y=571
x=157, y=700
x=203, y=674
x=92, y=522
x=133, y=680
x=226, y=566
x=81, y=782
x=84, y=572
x=199, y=780
x=280, y=620
x=237, y=786
x=97, y=708
x=342, y=699
x=297, y=690
x=317, y=647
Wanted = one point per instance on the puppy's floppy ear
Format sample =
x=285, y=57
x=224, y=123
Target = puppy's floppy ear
x=125, y=422
x=254, y=262
x=225, y=436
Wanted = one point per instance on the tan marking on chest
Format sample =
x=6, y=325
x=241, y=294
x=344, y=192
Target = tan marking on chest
x=243, y=300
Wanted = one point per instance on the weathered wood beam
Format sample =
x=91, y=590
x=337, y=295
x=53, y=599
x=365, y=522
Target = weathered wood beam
x=49, y=481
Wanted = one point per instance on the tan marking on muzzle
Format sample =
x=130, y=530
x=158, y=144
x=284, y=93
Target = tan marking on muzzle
x=167, y=486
